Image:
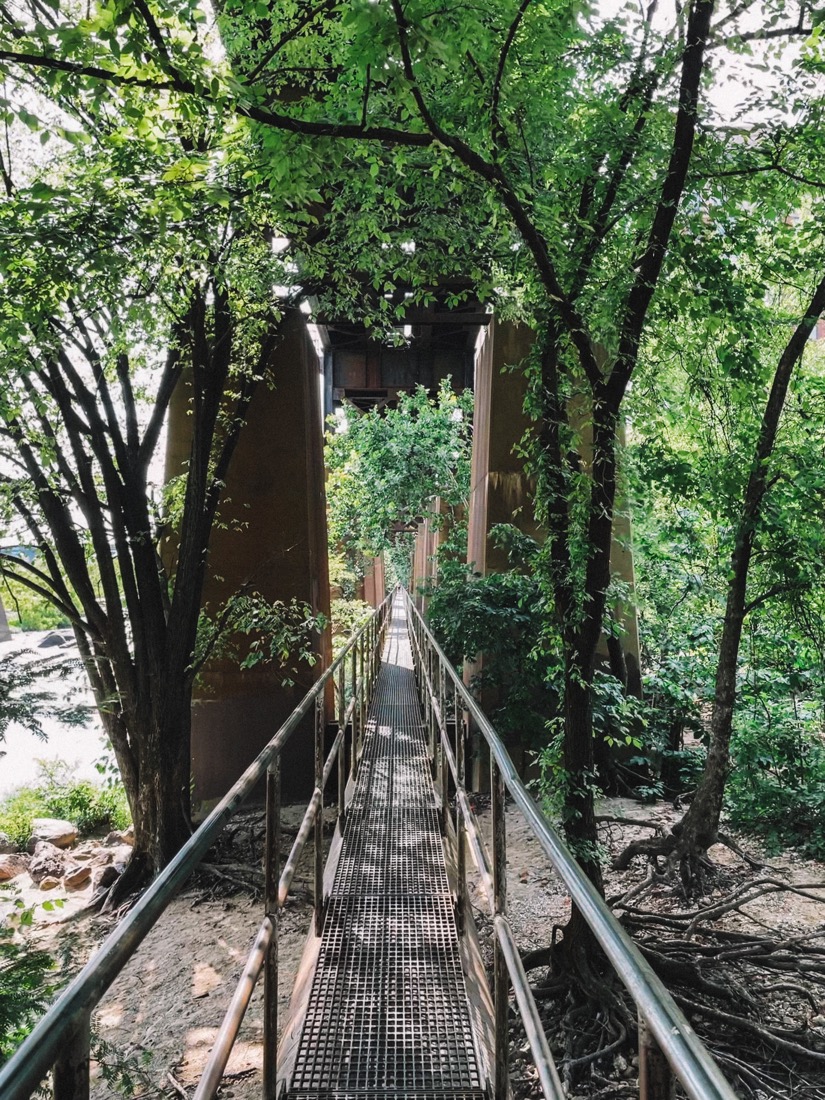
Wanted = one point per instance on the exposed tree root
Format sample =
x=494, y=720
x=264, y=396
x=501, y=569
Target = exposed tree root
x=674, y=856
x=756, y=999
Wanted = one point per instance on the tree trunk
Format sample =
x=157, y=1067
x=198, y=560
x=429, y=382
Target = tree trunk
x=581, y=955
x=699, y=827
x=159, y=794
x=579, y=815
x=163, y=799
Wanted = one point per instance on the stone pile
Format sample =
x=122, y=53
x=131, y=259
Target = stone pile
x=55, y=859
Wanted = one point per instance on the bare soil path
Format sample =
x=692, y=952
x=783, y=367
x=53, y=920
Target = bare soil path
x=161, y=1016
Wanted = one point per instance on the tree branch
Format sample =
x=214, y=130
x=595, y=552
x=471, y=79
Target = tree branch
x=649, y=267
x=495, y=176
x=183, y=86
x=762, y=36
x=502, y=65
x=41, y=584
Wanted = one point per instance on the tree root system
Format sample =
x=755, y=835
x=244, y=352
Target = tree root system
x=754, y=994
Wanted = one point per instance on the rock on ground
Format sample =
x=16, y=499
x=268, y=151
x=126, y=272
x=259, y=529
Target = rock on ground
x=62, y=834
x=47, y=861
x=13, y=864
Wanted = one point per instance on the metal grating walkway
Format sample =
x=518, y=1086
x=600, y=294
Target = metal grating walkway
x=387, y=1014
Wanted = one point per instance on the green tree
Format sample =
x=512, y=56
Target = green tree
x=106, y=309
x=579, y=136
x=567, y=138
x=755, y=471
x=387, y=467
x=699, y=828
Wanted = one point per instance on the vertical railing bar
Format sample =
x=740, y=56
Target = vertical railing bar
x=353, y=687
x=500, y=976
x=425, y=693
x=70, y=1076
x=359, y=690
x=362, y=650
x=442, y=732
x=362, y=697
x=272, y=875
x=319, y=818
x=656, y=1079
x=342, y=756
x=460, y=825
x=434, y=734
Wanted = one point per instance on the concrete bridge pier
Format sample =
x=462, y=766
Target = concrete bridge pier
x=375, y=583
x=502, y=492
x=271, y=537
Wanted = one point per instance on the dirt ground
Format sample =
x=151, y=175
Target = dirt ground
x=160, y=1018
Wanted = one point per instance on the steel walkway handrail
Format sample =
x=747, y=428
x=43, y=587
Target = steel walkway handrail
x=61, y=1038
x=659, y=1016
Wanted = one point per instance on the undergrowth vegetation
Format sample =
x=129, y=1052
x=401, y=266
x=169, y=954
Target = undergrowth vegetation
x=58, y=792
x=27, y=980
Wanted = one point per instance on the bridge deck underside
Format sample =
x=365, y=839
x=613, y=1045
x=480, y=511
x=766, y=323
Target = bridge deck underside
x=388, y=1014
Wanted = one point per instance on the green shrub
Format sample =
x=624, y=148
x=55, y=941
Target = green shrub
x=17, y=811
x=57, y=792
x=30, y=978
x=29, y=611
x=776, y=788
x=25, y=988
x=347, y=616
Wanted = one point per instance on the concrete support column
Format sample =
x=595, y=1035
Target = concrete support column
x=430, y=534
x=500, y=491
x=422, y=564
x=375, y=584
x=271, y=536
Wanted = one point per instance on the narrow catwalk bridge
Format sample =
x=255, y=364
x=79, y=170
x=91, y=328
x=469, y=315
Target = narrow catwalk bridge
x=388, y=1011
x=392, y=1001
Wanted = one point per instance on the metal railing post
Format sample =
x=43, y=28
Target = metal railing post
x=342, y=754
x=272, y=874
x=70, y=1077
x=656, y=1080
x=319, y=817
x=501, y=983
x=441, y=732
x=460, y=848
x=362, y=700
x=354, y=688
x=427, y=687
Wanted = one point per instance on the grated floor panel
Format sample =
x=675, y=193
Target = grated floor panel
x=387, y=1014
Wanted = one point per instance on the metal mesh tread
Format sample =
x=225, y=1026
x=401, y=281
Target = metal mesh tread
x=387, y=1013
x=388, y=1094
x=392, y=852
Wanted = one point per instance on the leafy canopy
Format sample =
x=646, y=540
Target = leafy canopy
x=387, y=467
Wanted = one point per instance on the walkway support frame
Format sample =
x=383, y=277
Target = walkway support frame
x=60, y=1041
x=669, y=1048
